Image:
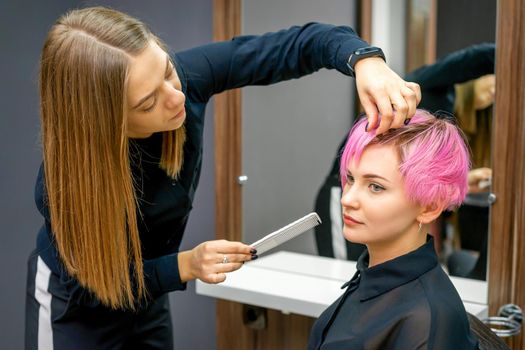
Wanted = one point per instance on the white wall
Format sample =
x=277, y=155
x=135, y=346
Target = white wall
x=388, y=31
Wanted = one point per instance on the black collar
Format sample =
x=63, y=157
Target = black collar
x=384, y=277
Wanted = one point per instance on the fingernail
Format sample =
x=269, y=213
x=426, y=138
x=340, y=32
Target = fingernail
x=407, y=121
x=366, y=127
x=253, y=251
x=254, y=257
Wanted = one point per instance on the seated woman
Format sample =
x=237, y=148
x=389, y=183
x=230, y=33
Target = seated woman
x=394, y=186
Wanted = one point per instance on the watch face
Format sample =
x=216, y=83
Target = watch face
x=366, y=50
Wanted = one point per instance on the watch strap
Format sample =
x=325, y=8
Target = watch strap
x=362, y=53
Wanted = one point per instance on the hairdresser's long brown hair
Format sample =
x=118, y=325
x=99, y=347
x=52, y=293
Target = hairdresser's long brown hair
x=89, y=185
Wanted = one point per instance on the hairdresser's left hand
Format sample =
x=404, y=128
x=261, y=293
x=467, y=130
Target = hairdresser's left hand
x=479, y=180
x=211, y=260
x=382, y=91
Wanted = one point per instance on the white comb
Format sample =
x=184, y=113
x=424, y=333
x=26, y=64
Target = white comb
x=286, y=233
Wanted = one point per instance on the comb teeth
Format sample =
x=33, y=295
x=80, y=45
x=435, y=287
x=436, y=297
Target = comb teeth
x=287, y=232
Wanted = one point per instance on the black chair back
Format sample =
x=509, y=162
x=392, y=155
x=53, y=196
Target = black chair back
x=487, y=339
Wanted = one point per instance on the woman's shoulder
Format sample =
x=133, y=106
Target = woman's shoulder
x=436, y=311
x=431, y=294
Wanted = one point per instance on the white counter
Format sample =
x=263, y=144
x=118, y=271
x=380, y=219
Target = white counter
x=307, y=284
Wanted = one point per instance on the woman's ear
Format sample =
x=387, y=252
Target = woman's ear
x=430, y=213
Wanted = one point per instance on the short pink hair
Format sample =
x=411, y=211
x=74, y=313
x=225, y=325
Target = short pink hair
x=434, y=157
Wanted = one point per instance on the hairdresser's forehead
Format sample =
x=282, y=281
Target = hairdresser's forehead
x=146, y=72
x=382, y=160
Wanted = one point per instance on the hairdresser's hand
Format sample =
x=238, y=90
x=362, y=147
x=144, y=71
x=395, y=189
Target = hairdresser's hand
x=210, y=261
x=382, y=91
x=479, y=180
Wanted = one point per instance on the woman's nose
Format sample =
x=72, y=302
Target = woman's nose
x=174, y=97
x=349, y=197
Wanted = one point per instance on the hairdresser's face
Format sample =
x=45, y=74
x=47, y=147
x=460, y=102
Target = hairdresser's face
x=376, y=210
x=155, y=99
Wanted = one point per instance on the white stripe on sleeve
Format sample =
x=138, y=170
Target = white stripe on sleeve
x=42, y=295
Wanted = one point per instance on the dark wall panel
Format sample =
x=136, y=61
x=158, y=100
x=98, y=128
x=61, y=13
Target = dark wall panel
x=23, y=26
x=464, y=22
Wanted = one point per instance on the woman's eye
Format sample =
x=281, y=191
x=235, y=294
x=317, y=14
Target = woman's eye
x=376, y=188
x=349, y=178
x=149, y=109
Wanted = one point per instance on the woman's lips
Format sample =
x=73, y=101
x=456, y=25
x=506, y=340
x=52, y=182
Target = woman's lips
x=181, y=114
x=350, y=221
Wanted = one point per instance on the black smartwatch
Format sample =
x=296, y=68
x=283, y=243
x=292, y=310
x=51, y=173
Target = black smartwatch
x=364, y=52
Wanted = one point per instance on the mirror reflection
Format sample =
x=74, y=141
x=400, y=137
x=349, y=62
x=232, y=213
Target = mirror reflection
x=293, y=132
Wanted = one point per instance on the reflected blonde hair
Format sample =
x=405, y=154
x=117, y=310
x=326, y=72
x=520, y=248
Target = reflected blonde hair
x=88, y=179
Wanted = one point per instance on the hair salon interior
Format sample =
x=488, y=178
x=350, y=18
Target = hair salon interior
x=272, y=303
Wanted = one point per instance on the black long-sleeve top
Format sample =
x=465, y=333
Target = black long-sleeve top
x=165, y=204
x=402, y=304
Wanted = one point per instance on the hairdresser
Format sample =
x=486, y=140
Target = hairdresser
x=122, y=128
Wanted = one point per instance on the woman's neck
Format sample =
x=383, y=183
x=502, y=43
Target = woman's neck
x=401, y=245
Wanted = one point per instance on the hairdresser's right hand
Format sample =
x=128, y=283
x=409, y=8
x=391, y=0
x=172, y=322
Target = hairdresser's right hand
x=383, y=92
x=210, y=261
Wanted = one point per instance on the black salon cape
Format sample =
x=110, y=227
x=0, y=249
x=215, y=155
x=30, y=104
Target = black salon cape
x=405, y=303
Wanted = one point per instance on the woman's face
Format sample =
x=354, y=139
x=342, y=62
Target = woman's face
x=376, y=210
x=155, y=99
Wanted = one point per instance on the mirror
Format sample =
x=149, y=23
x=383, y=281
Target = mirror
x=292, y=130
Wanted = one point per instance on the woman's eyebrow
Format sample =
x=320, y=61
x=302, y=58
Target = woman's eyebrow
x=374, y=176
x=368, y=176
x=148, y=96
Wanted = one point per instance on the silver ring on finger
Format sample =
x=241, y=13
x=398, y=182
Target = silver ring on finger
x=225, y=259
